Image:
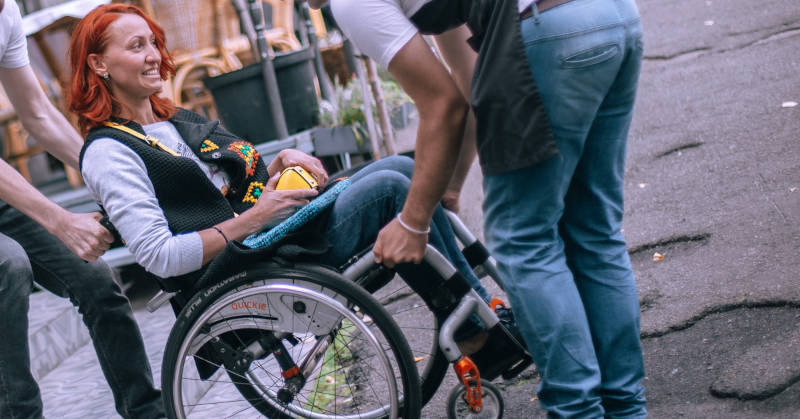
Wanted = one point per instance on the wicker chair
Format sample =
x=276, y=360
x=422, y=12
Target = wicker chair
x=205, y=39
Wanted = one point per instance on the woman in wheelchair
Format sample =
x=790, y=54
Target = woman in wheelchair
x=179, y=187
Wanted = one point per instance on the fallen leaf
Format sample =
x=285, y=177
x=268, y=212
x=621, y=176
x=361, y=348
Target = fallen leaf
x=788, y=104
x=792, y=189
x=708, y=22
x=657, y=257
x=329, y=379
x=534, y=398
x=642, y=185
x=418, y=358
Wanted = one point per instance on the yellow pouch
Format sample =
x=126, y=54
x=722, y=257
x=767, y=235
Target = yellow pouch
x=296, y=177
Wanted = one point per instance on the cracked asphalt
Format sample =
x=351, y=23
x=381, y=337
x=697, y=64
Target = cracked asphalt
x=713, y=185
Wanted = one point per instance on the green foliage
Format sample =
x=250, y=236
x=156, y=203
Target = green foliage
x=349, y=99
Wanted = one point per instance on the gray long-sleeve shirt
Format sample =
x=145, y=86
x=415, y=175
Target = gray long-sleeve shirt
x=117, y=178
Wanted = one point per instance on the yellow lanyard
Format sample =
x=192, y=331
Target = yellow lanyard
x=151, y=141
x=155, y=143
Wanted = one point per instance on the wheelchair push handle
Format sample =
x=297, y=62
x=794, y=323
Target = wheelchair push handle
x=433, y=258
x=474, y=251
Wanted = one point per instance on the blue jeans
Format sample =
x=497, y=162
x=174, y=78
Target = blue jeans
x=29, y=253
x=555, y=227
x=375, y=197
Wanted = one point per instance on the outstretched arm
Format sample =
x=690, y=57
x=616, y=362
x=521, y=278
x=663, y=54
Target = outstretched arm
x=461, y=59
x=82, y=233
x=443, y=112
x=39, y=116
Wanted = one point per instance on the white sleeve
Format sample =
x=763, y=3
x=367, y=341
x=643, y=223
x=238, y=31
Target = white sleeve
x=16, y=53
x=379, y=28
x=117, y=178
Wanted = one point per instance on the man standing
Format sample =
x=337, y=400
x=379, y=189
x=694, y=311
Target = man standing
x=553, y=94
x=39, y=242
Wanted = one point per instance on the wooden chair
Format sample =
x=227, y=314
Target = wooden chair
x=282, y=36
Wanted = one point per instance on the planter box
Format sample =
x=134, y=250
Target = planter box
x=242, y=102
x=340, y=140
x=350, y=142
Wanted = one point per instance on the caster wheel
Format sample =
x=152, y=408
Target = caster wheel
x=491, y=400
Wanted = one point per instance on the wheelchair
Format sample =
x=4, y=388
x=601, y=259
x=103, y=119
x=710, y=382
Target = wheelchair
x=287, y=340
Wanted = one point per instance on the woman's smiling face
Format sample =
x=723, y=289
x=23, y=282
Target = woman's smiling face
x=131, y=59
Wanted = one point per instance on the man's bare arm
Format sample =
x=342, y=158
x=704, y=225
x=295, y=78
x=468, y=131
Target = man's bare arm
x=461, y=60
x=443, y=111
x=80, y=232
x=39, y=116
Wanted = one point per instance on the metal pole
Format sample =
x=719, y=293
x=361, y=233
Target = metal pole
x=322, y=76
x=351, y=55
x=380, y=106
x=268, y=70
x=247, y=25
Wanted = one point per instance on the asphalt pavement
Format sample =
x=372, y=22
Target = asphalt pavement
x=713, y=185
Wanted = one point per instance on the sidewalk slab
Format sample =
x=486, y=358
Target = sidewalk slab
x=77, y=389
x=55, y=332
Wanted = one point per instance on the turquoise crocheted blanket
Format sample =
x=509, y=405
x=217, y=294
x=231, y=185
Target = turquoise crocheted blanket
x=298, y=219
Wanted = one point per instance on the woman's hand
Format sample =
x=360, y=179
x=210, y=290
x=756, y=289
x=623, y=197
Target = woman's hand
x=275, y=206
x=291, y=157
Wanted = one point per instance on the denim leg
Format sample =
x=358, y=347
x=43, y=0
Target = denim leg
x=584, y=56
x=19, y=394
x=375, y=197
x=105, y=310
x=596, y=250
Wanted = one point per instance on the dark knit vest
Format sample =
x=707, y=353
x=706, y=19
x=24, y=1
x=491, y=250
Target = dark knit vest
x=190, y=200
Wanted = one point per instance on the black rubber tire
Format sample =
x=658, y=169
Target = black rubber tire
x=432, y=375
x=300, y=274
x=489, y=392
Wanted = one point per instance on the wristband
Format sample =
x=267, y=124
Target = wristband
x=412, y=229
x=221, y=233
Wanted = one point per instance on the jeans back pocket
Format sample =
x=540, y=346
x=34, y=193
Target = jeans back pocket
x=591, y=56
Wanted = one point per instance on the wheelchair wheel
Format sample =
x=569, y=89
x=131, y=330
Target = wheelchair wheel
x=299, y=342
x=419, y=326
x=492, y=403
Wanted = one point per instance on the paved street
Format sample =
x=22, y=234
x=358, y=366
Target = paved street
x=713, y=184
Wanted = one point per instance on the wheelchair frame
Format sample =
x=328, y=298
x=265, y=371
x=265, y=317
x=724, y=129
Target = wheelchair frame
x=472, y=389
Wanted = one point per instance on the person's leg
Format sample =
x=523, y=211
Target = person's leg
x=595, y=248
x=105, y=310
x=19, y=394
x=521, y=212
x=575, y=53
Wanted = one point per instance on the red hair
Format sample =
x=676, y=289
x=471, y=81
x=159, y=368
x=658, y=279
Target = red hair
x=89, y=97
